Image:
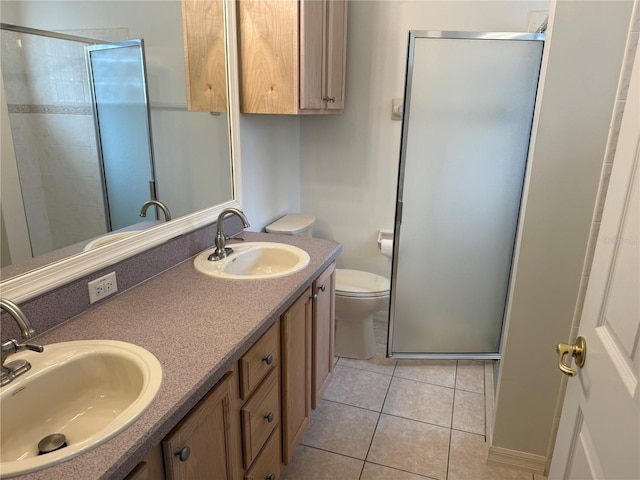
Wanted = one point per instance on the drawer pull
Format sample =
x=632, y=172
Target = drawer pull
x=268, y=359
x=270, y=477
x=269, y=417
x=183, y=454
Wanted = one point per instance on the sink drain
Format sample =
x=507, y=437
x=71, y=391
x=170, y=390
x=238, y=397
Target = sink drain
x=51, y=443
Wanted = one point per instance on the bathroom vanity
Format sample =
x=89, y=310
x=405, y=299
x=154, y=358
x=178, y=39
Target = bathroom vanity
x=243, y=362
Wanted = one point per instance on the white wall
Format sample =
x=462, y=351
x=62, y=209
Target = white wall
x=349, y=163
x=578, y=92
x=270, y=147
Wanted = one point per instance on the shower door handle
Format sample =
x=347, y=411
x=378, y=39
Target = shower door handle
x=577, y=351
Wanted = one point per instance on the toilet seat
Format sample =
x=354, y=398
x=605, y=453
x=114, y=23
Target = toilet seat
x=358, y=284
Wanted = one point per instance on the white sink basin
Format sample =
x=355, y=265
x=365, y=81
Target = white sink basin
x=88, y=391
x=254, y=261
x=107, y=239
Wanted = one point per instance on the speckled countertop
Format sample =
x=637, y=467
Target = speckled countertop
x=197, y=327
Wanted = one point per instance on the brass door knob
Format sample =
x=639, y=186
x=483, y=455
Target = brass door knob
x=577, y=351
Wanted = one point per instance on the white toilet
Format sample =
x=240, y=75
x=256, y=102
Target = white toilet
x=359, y=295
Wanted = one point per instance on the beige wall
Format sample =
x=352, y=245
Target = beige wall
x=581, y=71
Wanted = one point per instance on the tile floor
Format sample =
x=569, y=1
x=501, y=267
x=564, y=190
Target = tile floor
x=387, y=419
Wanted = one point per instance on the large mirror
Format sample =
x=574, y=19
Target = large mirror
x=194, y=166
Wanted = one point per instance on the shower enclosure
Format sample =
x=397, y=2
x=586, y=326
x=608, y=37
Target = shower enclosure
x=469, y=102
x=70, y=101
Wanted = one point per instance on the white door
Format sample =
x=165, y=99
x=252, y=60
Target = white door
x=599, y=433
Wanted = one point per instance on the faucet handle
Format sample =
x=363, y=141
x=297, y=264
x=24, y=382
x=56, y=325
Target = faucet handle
x=31, y=346
x=12, y=346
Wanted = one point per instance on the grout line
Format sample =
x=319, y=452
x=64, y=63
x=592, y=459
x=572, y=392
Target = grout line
x=453, y=405
x=350, y=405
x=426, y=383
x=333, y=453
x=449, y=453
x=362, y=370
x=401, y=470
x=418, y=421
x=377, y=422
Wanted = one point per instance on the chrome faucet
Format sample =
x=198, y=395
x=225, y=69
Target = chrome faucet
x=14, y=369
x=221, y=251
x=160, y=205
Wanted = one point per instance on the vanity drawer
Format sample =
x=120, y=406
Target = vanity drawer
x=267, y=465
x=261, y=359
x=259, y=416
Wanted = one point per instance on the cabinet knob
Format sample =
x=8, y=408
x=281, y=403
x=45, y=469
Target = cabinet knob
x=329, y=99
x=269, y=417
x=322, y=288
x=314, y=296
x=183, y=454
x=268, y=359
x=270, y=477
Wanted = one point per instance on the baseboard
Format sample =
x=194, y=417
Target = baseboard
x=518, y=460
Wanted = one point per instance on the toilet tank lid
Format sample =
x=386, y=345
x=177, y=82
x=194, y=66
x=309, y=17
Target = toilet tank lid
x=291, y=224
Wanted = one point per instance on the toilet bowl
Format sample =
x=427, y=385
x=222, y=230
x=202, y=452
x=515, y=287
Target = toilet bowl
x=359, y=295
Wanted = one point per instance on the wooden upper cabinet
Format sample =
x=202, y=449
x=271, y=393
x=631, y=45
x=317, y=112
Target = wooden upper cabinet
x=292, y=56
x=204, y=54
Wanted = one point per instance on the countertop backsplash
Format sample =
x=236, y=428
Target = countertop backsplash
x=57, y=306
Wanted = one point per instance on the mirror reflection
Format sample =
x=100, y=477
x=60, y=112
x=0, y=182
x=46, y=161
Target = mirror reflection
x=48, y=101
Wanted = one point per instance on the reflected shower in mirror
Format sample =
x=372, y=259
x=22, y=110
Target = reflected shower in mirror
x=48, y=100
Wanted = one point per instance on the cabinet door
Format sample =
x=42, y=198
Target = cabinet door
x=269, y=50
x=323, y=41
x=323, y=332
x=296, y=373
x=336, y=54
x=204, y=49
x=312, y=54
x=203, y=443
x=150, y=468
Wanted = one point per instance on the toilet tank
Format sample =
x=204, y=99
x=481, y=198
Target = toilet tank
x=297, y=224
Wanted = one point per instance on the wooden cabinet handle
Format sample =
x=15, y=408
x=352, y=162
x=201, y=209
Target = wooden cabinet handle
x=269, y=417
x=268, y=359
x=183, y=454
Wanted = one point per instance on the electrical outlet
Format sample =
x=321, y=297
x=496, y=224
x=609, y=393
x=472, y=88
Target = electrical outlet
x=102, y=287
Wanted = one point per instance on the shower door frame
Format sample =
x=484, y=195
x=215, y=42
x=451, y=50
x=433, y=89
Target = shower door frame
x=152, y=182
x=413, y=35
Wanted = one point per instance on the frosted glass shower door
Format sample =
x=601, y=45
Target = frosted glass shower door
x=468, y=113
x=119, y=82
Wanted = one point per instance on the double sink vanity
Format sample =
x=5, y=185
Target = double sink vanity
x=238, y=358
